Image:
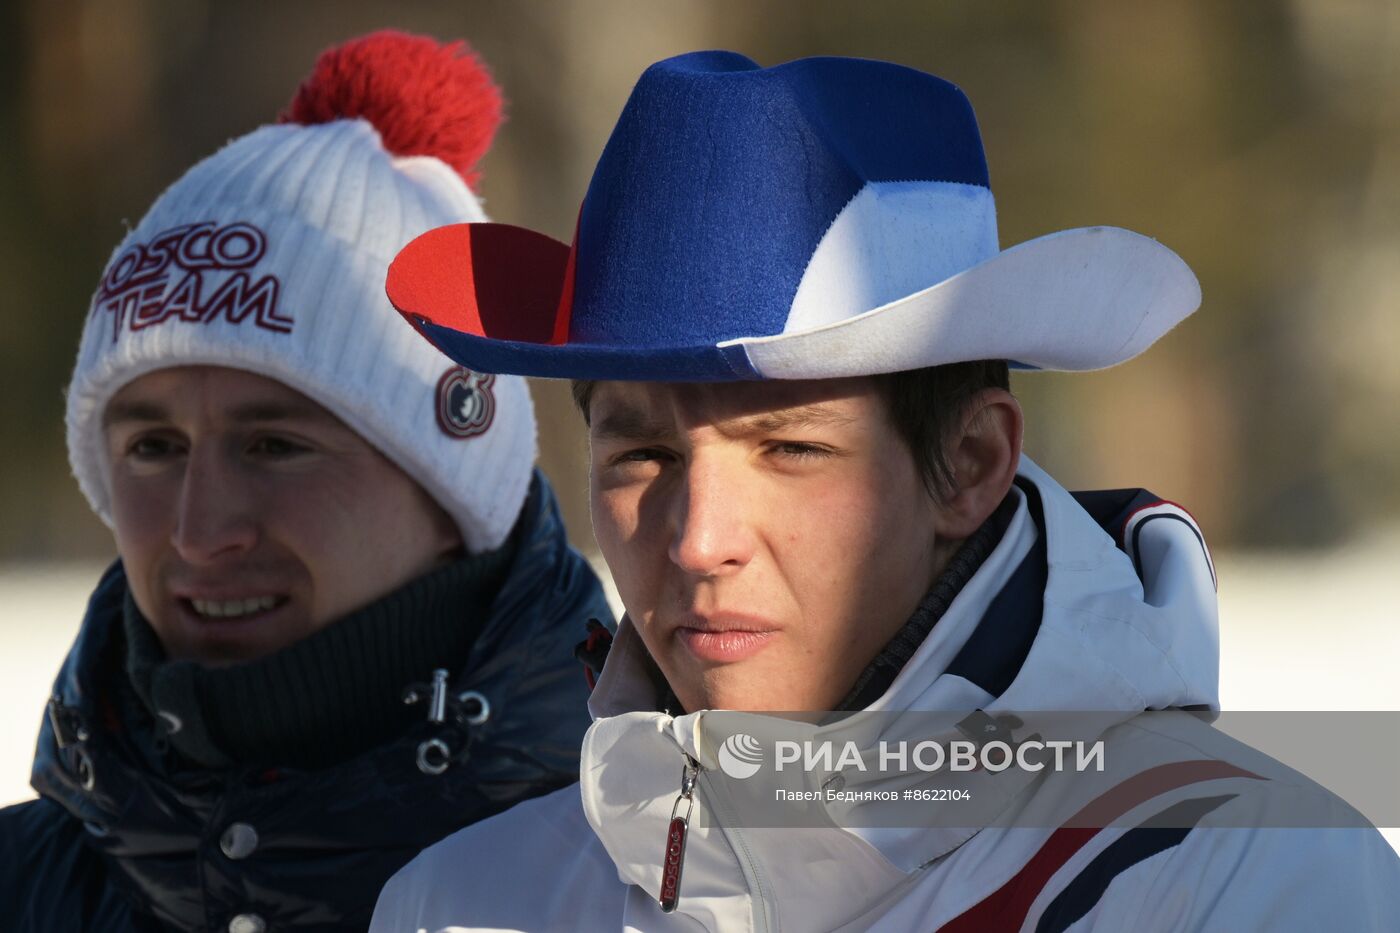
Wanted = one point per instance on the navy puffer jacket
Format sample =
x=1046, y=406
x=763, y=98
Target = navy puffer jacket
x=118, y=841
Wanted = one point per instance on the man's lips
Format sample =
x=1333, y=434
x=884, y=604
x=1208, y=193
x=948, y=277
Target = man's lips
x=724, y=638
x=210, y=604
x=233, y=608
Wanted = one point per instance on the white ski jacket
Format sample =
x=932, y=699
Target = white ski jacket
x=1059, y=617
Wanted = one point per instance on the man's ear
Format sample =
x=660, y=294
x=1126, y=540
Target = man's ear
x=982, y=455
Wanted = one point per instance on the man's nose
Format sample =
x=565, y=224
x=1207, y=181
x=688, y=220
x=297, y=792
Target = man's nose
x=711, y=531
x=214, y=515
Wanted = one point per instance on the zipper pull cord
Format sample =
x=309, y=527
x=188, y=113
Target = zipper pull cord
x=676, y=833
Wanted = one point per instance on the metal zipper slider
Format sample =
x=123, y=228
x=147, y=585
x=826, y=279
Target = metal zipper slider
x=676, y=832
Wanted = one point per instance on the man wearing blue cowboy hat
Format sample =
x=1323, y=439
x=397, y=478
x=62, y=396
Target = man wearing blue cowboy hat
x=789, y=327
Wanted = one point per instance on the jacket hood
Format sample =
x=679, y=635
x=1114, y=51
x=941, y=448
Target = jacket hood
x=1084, y=605
x=152, y=818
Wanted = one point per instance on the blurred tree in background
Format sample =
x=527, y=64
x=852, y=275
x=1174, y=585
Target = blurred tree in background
x=1261, y=141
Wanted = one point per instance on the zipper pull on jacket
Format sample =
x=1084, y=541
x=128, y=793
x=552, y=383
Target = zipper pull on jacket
x=673, y=858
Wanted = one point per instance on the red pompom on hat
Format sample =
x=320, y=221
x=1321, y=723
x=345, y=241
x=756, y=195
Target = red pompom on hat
x=424, y=97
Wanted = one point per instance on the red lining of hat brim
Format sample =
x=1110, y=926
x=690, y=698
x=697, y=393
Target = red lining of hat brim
x=488, y=280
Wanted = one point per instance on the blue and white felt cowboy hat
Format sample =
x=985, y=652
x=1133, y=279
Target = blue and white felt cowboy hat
x=827, y=217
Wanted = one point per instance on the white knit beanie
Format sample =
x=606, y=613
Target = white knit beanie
x=270, y=256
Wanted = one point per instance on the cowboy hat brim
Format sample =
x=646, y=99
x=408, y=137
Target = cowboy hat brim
x=495, y=298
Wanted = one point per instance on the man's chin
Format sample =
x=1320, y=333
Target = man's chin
x=750, y=696
x=221, y=654
x=747, y=688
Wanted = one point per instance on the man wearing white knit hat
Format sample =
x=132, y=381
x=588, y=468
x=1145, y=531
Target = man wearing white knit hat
x=343, y=620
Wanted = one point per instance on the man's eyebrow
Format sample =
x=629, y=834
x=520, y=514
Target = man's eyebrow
x=631, y=424
x=249, y=413
x=776, y=422
x=624, y=423
x=280, y=411
x=118, y=412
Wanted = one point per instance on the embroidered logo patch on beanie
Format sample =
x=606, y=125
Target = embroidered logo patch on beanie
x=466, y=403
x=194, y=272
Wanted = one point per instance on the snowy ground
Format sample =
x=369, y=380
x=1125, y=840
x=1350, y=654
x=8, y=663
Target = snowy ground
x=1315, y=632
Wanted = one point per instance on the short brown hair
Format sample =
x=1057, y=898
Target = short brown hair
x=925, y=406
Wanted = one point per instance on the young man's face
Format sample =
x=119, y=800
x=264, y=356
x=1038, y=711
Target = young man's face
x=248, y=516
x=767, y=539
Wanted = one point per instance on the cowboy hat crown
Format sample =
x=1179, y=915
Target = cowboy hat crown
x=826, y=217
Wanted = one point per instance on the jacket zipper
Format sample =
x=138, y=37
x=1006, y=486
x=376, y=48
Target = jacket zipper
x=673, y=858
